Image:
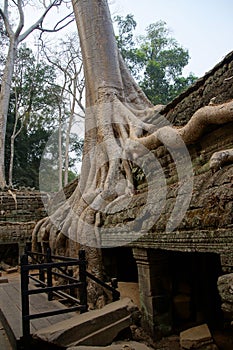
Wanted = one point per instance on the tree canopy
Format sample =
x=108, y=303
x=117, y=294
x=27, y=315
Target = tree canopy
x=155, y=59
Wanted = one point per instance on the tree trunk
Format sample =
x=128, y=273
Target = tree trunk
x=68, y=131
x=11, y=165
x=113, y=104
x=4, y=105
x=60, y=160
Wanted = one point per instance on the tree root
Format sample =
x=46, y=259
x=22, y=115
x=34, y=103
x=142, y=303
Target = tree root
x=193, y=130
x=219, y=159
x=109, y=178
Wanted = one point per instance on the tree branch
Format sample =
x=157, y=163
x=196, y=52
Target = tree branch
x=21, y=18
x=39, y=22
x=5, y=17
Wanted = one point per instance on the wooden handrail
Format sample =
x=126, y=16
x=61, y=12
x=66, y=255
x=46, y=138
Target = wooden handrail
x=45, y=264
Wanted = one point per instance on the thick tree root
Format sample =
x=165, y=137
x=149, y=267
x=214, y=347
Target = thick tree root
x=106, y=172
x=193, y=130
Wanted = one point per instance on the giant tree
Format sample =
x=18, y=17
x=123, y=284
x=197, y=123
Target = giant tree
x=121, y=124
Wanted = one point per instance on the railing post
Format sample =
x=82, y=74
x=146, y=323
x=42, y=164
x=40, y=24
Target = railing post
x=115, y=293
x=41, y=275
x=83, y=279
x=72, y=289
x=25, y=296
x=49, y=273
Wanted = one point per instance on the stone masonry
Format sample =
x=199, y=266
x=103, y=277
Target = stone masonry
x=19, y=212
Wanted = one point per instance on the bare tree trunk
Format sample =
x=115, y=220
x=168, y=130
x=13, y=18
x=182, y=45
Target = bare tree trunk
x=68, y=131
x=4, y=104
x=12, y=153
x=106, y=93
x=15, y=133
x=60, y=160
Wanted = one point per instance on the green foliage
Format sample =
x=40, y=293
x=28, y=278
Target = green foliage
x=156, y=59
x=29, y=148
x=34, y=102
x=33, y=85
x=125, y=40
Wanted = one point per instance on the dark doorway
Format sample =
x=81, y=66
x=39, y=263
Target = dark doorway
x=9, y=254
x=120, y=263
x=195, y=297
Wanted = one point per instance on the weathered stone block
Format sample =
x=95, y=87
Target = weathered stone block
x=94, y=328
x=196, y=337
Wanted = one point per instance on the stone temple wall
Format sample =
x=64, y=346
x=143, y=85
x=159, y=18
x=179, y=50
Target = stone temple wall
x=179, y=271
x=19, y=212
x=21, y=206
x=216, y=86
x=208, y=223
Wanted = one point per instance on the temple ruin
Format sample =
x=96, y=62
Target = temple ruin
x=177, y=273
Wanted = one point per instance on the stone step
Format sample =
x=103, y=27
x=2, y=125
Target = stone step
x=94, y=328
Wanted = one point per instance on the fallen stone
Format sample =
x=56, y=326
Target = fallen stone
x=12, y=270
x=131, y=345
x=4, y=266
x=3, y=280
x=94, y=328
x=196, y=337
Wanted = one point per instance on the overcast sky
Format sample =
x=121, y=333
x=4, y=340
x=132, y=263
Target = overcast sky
x=204, y=27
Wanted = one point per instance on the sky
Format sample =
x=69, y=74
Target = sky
x=203, y=27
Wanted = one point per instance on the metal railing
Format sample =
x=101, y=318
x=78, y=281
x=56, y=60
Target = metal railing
x=46, y=267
